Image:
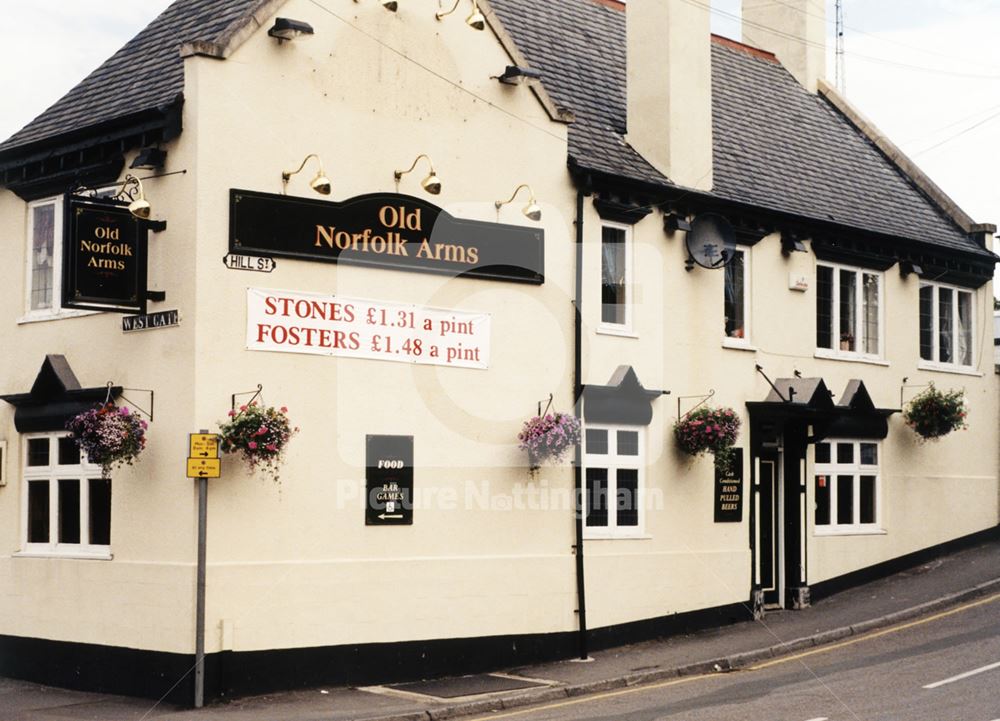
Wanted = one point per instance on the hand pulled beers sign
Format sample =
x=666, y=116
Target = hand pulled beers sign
x=384, y=230
x=104, y=257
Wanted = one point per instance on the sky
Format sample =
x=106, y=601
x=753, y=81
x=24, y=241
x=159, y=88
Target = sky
x=927, y=72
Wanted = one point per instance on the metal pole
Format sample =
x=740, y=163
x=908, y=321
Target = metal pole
x=579, y=505
x=199, y=622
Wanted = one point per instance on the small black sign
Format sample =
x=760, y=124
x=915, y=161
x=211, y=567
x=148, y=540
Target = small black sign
x=389, y=480
x=384, y=230
x=729, y=491
x=104, y=256
x=163, y=319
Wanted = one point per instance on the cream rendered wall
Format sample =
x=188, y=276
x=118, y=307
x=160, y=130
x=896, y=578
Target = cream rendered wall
x=295, y=565
x=144, y=597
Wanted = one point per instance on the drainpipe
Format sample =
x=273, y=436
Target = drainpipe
x=581, y=591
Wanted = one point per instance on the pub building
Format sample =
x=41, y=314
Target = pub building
x=417, y=229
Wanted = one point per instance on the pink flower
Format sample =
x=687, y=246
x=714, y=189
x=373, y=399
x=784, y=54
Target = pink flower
x=243, y=408
x=271, y=447
x=284, y=409
x=252, y=445
x=232, y=413
x=262, y=431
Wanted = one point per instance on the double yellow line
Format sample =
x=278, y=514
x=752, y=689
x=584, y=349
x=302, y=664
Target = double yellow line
x=784, y=659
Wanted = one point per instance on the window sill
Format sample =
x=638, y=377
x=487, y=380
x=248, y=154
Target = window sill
x=41, y=317
x=612, y=330
x=592, y=536
x=942, y=368
x=826, y=533
x=849, y=357
x=737, y=344
x=77, y=555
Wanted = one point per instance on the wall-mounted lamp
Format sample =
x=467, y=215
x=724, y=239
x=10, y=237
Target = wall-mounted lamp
x=150, y=159
x=320, y=183
x=476, y=21
x=432, y=183
x=288, y=29
x=673, y=222
x=790, y=244
x=531, y=211
x=138, y=207
x=517, y=75
x=906, y=267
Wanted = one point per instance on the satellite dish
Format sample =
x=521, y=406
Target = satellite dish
x=711, y=242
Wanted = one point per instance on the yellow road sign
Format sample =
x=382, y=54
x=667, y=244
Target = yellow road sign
x=204, y=445
x=204, y=467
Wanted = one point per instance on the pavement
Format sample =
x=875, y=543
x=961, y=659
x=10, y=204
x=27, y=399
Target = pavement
x=938, y=584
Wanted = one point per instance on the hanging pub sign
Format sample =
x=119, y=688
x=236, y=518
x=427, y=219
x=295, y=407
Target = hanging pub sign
x=389, y=480
x=104, y=256
x=384, y=230
x=729, y=491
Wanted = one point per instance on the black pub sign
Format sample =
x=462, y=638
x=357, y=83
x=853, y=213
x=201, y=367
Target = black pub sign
x=104, y=256
x=385, y=230
x=729, y=491
x=389, y=480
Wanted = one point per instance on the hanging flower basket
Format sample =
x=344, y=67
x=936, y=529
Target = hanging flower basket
x=933, y=414
x=709, y=430
x=108, y=435
x=549, y=437
x=259, y=434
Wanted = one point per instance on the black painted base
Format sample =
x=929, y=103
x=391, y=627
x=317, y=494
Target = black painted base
x=902, y=563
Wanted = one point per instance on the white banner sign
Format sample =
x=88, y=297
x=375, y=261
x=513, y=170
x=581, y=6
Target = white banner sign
x=319, y=324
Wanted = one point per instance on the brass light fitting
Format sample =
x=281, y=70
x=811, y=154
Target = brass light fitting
x=320, y=183
x=532, y=210
x=476, y=20
x=432, y=183
x=138, y=207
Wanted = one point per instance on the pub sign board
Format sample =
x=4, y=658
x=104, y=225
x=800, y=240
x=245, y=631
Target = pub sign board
x=104, y=256
x=388, y=480
x=729, y=491
x=384, y=230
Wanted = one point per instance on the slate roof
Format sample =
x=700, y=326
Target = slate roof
x=146, y=73
x=776, y=146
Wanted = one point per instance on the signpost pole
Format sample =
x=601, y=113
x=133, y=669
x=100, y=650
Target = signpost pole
x=199, y=628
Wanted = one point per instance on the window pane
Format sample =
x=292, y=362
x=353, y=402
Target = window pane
x=597, y=442
x=822, y=452
x=945, y=325
x=927, y=322
x=628, y=443
x=42, y=254
x=848, y=309
x=845, y=453
x=69, y=510
x=38, y=451
x=597, y=497
x=822, y=500
x=735, y=296
x=824, y=307
x=69, y=452
x=38, y=512
x=870, y=321
x=867, y=499
x=613, y=275
x=869, y=454
x=628, y=497
x=100, y=511
x=964, y=328
x=845, y=500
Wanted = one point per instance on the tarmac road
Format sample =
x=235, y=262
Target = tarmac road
x=945, y=667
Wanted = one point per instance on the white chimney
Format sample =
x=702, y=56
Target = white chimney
x=669, y=91
x=794, y=30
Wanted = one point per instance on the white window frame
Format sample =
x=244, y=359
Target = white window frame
x=53, y=473
x=745, y=341
x=836, y=352
x=832, y=470
x=613, y=462
x=934, y=363
x=625, y=328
